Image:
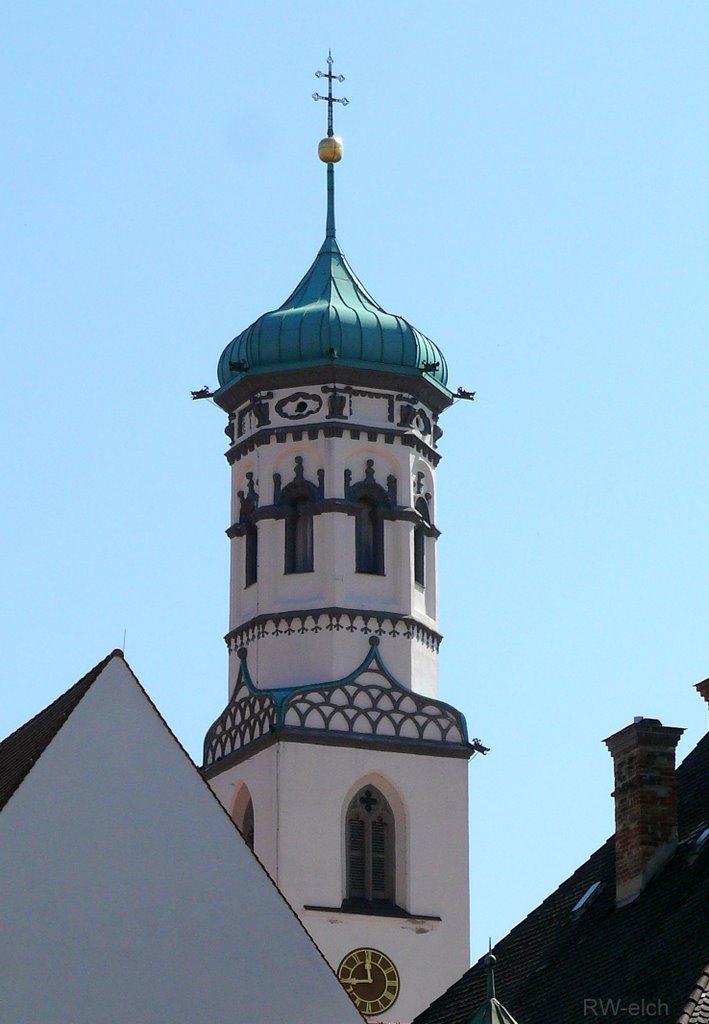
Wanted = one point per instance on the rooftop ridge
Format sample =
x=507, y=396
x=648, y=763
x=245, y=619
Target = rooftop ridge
x=21, y=750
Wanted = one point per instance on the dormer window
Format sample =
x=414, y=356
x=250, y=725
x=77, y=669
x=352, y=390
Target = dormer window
x=583, y=902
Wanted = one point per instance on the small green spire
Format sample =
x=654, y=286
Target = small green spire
x=490, y=961
x=491, y=1011
x=330, y=222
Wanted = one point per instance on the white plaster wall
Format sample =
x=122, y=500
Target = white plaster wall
x=334, y=532
x=294, y=659
x=260, y=774
x=313, y=783
x=429, y=798
x=359, y=410
x=334, y=455
x=432, y=859
x=313, y=658
x=127, y=894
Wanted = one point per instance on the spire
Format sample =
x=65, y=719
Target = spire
x=330, y=314
x=490, y=961
x=491, y=1011
x=330, y=219
x=330, y=148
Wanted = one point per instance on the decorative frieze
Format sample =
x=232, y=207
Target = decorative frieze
x=299, y=405
x=318, y=620
x=368, y=704
x=313, y=431
x=246, y=718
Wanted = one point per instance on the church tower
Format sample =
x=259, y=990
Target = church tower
x=334, y=755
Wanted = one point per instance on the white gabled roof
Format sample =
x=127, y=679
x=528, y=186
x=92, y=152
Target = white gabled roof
x=126, y=892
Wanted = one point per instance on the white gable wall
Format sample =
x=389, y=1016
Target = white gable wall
x=128, y=895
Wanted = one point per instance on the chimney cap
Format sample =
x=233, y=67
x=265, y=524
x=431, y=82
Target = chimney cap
x=643, y=732
x=703, y=689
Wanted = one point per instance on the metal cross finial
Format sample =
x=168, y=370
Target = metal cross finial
x=330, y=99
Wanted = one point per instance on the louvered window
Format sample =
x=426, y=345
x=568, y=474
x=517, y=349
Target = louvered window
x=357, y=858
x=370, y=848
x=379, y=859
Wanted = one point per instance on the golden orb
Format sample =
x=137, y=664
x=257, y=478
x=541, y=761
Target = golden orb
x=330, y=149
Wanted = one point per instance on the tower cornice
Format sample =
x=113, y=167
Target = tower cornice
x=312, y=431
x=372, y=375
x=368, y=621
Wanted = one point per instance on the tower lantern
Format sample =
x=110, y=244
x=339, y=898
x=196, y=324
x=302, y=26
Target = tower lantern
x=343, y=769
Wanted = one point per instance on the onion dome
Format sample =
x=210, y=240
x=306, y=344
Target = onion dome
x=331, y=320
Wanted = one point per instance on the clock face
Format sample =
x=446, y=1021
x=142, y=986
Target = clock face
x=371, y=979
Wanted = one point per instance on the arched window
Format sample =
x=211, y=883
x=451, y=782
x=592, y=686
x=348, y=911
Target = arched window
x=369, y=538
x=248, y=507
x=299, y=537
x=251, y=554
x=298, y=500
x=419, y=556
x=369, y=842
x=247, y=825
x=243, y=815
x=371, y=502
x=420, y=542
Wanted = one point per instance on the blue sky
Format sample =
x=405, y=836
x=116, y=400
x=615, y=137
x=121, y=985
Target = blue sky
x=527, y=185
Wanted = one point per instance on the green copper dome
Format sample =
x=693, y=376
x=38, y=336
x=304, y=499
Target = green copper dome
x=331, y=318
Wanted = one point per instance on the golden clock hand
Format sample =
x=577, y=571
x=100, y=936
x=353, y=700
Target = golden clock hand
x=368, y=964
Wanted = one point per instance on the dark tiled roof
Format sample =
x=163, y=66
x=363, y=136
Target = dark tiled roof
x=655, y=948
x=697, y=1009
x=22, y=748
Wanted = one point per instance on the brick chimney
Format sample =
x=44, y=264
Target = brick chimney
x=645, y=802
x=703, y=689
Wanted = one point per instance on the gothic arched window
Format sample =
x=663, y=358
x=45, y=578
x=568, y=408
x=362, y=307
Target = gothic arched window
x=248, y=507
x=369, y=538
x=419, y=556
x=369, y=842
x=420, y=542
x=371, y=501
x=247, y=825
x=251, y=554
x=243, y=815
x=298, y=499
x=299, y=537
